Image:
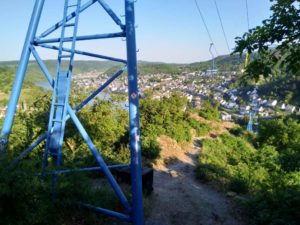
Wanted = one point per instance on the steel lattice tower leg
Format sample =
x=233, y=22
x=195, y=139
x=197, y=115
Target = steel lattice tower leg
x=21, y=70
x=133, y=97
x=132, y=212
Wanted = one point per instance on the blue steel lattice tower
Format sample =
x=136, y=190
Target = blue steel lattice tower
x=253, y=112
x=61, y=111
x=250, y=123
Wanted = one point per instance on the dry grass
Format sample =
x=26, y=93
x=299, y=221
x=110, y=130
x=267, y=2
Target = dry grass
x=172, y=151
x=219, y=127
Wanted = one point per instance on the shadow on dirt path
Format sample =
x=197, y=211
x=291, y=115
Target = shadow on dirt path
x=179, y=199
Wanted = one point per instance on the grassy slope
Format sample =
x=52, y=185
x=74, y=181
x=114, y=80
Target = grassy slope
x=29, y=91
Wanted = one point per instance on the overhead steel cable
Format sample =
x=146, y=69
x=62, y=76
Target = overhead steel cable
x=248, y=23
x=221, y=22
x=206, y=27
x=247, y=10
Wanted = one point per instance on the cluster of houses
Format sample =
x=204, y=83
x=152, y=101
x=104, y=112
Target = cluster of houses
x=94, y=79
x=256, y=105
x=195, y=86
x=199, y=86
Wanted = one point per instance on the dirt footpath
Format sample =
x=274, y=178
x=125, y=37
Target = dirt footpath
x=179, y=199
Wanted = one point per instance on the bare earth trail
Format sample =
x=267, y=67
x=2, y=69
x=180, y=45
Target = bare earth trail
x=180, y=199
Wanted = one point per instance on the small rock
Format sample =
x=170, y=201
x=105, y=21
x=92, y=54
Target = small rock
x=173, y=173
x=231, y=194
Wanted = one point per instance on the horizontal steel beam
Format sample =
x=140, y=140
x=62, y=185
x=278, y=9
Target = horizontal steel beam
x=78, y=52
x=80, y=38
x=118, y=215
x=87, y=169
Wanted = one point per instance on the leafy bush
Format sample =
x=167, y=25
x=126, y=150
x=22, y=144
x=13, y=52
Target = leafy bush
x=26, y=198
x=165, y=117
x=231, y=160
x=269, y=175
x=209, y=111
x=278, y=203
x=150, y=148
x=202, y=129
x=284, y=135
x=180, y=131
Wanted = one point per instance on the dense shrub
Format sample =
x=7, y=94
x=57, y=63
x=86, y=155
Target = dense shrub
x=269, y=174
x=209, y=110
x=278, y=203
x=150, y=148
x=166, y=116
x=284, y=135
x=26, y=198
x=180, y=131
x=202, y=129
x=230, y=160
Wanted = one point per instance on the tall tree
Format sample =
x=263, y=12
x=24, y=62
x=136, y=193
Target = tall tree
x=277, y=42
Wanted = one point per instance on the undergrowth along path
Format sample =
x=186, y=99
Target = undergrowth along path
x=180, y=199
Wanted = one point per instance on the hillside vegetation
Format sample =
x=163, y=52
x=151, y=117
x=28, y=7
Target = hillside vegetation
x=223, y=63
x=29, y=91
x=107, y=125
x=262, y=171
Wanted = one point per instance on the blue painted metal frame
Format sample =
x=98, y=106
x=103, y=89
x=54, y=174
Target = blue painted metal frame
x=134, y=117
x=85, y=53
x=250, y=123
x=87, y=169
x=80, y=38
x=133, y=212
x=69, y=17
x=20, y=74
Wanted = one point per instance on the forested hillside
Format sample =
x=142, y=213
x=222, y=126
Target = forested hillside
x=29, y=91
x=223, y=63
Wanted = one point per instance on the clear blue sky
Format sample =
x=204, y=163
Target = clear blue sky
x=168, y=30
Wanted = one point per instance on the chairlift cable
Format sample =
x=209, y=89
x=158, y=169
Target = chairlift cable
x=248, y=24
x=205, y=25
x=221, y=22
x=247, y=10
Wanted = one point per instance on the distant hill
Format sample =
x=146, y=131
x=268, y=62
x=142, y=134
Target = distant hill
x=224, y=63
x=35, y=73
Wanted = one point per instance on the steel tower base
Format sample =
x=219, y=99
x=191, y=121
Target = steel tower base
x=133, y=211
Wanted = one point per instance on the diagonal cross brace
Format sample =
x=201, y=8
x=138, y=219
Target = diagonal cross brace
x=77, y=109
x=136, y=213
x=69, y=17
x=99, y=159
x=83, y=8
x=92, y=147
x=111, y=13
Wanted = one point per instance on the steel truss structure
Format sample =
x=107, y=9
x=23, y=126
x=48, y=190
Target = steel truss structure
x=250, y=123
x=61, y=111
